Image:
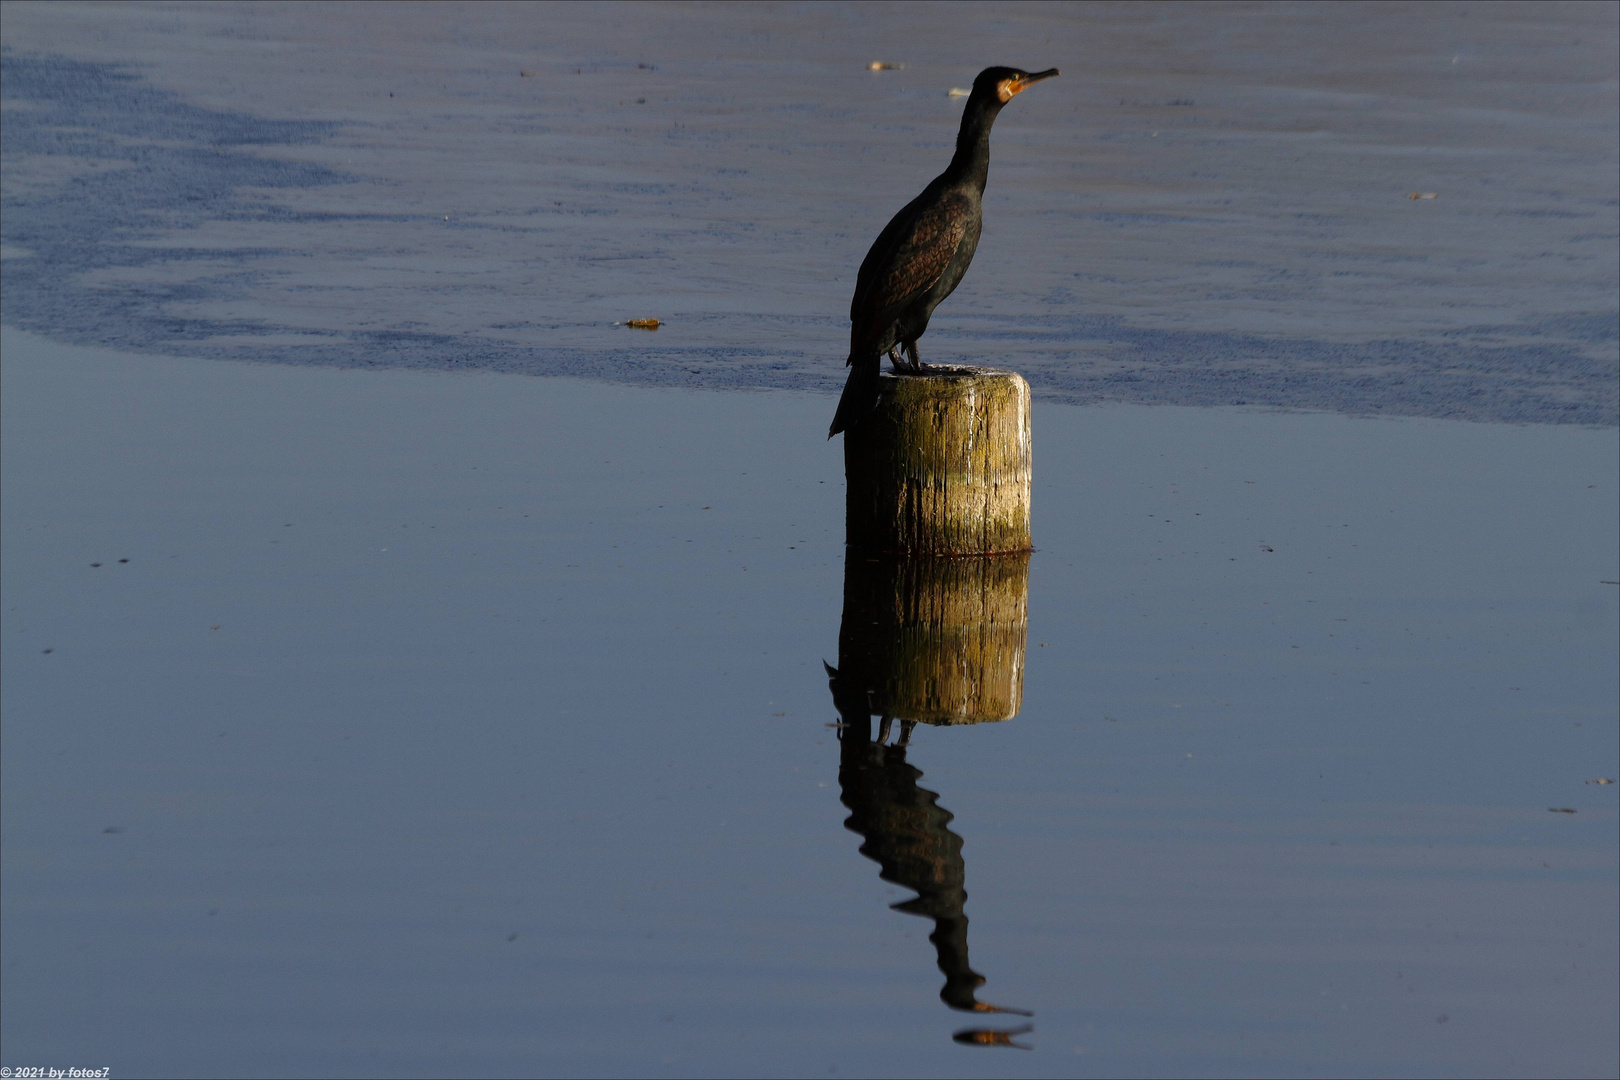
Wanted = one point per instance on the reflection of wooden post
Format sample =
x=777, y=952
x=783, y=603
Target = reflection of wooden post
x=943, y=466
x=936, y=640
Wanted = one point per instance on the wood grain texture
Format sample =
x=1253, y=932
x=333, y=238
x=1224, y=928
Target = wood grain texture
x=943, y=466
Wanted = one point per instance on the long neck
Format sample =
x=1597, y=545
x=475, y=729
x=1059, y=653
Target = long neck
x=972, y=161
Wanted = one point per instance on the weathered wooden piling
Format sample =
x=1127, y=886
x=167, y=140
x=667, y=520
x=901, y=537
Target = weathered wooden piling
x=936, y=640
x=942, y=467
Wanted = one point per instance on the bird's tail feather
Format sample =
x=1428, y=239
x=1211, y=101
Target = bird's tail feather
x=860, y=394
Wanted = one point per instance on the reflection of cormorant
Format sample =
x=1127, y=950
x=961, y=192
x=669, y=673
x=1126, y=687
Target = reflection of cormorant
x=906, y=834
x=921, y=255
x=994, y=1036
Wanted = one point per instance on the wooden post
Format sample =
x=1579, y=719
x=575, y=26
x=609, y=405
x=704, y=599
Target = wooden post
x=942, y=467
x=935, y=640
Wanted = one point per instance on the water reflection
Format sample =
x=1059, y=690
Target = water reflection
x=936, y=641
x=994, y=1036
x=932, y=641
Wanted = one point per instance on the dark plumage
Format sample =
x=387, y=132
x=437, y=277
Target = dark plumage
x=921, y=254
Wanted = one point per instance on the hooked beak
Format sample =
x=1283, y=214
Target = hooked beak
x=1024, y=82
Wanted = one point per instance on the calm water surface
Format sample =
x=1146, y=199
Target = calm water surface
x=436, y=719
x=479, y=724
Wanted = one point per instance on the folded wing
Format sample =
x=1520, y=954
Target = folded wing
x=908, y=259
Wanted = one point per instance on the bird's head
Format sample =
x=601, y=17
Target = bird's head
x=1002, y=84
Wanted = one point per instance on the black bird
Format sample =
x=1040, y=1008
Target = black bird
x=922, y=253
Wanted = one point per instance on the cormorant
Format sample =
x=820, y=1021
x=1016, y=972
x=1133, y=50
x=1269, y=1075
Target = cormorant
x=922, y=253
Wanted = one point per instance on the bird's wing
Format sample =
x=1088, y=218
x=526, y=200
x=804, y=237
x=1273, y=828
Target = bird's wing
x=911, y=254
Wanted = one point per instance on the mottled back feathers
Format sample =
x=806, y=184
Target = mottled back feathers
x=903, y=266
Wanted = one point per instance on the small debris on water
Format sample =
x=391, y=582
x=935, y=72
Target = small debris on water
x=526, y=74
x=1599, y=780
x=113, y=829
x=957, y=91
x=883, y=65
x=642, y=324
x=1560, y=810
x=1424, y=195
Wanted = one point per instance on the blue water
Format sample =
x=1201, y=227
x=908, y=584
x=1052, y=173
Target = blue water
x=374, y=707
x=470, y=724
